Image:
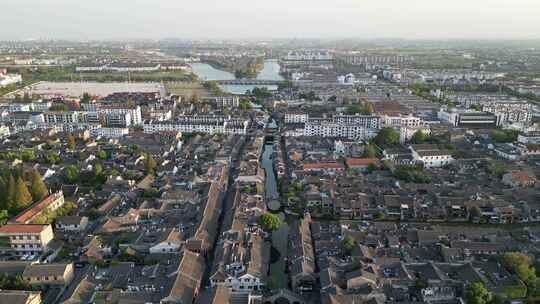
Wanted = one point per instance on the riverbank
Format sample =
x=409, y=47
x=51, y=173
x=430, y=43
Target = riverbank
x=245, y=67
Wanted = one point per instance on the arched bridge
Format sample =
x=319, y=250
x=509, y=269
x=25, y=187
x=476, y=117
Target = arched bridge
x=248, y=82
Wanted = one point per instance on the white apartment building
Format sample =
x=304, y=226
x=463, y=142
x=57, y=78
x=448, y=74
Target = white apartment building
x=19, y=107
x=295, y=117
x=41, y=105
x=27, y=239
x=121, y=119
x=324, y=128
x=531, y=137
x=110, y=132
x=355, y=127
x=60, y=117
x=116, y=109
x=224, y=101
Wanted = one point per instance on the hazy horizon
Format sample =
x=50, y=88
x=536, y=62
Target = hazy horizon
x=278, y=19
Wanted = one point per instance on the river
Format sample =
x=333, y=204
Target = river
x=206, y=72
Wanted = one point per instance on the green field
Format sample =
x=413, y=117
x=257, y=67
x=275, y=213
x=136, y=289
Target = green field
x=187, y=89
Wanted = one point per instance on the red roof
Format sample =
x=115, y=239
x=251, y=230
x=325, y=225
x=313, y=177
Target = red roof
x=20, y=228
x=351, y=162
x=28, y=214
x=322, y=166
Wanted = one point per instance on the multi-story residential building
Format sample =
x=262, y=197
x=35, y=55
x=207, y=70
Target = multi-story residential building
x=25, y=116
x=309, y=56
x=110, y=132
x=60, y=117
x=402, y=121
x=295, y=117
x=27, y=239
x=49, y=203
x=224, y=101
x=531, y=137
x=358, y=127
x=203, y=124
x=40, y=105
x=121, y=119
x=117, y=109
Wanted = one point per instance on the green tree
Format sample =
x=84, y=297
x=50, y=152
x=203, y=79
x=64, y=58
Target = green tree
x=71, y=142
x=4, y=216
x=370, y=151
x=387, y=136
x=11, y=189
x=38, y=189
x=419, y=137
x=4, y=205
x=149, y=164
x=102, y=155
x=348, y=244
x=22, y=197
x=71, y=174
x=521, y=265
x=476, y=293
x=270, y=222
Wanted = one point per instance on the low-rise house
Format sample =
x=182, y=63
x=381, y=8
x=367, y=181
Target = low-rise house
x=27, y=239
x=49, y=274
x=172, y=242
x=518, y=179
x=188, y=280
x=361, y=164
x=507, y=151
x=20, y=297
x=49, y=203
x=71, y=223
x=431, y=156
x=302, y=256
x=328, y=168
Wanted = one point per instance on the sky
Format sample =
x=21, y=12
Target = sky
x=254, y=19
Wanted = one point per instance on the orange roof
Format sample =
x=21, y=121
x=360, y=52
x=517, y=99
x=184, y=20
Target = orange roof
x=321, y=166
x=28, y=214
x=351, y=162
x=19, y=228
x=522, y=176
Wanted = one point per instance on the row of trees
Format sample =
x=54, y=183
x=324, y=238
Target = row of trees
x=18, y=195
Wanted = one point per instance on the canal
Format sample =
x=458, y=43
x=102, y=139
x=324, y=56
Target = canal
x=271, y=185
x=207, y=72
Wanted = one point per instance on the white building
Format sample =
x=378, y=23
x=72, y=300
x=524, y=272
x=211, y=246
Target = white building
x=295, y=117
x=110, y=132
x=431, y=156
x=116, y=109
x=61, y=117
x=7, y=79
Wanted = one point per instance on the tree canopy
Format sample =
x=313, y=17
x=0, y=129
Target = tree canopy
x=476, y=293
x=38, y=189
x=521, y=265
x=270, y=222
x=387, y=136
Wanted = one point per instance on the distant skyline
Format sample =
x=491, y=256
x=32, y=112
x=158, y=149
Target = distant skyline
x=237, y=19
